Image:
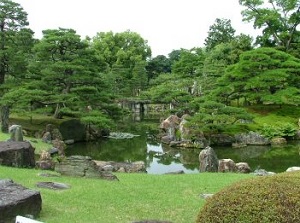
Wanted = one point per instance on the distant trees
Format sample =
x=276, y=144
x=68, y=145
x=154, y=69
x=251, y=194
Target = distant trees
x=220, y=32
x=124, y=55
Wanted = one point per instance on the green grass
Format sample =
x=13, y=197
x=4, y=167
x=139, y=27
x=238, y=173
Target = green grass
x=135, y=197
x=273, y=115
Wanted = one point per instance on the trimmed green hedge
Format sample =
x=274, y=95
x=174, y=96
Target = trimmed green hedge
x=259, y=199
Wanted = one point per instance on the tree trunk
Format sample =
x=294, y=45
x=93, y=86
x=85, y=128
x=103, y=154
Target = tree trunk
x=4, y=118
x=57, y=113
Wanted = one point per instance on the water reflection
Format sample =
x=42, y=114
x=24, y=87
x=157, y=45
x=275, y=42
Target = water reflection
x=164, y=159
x=160, y=158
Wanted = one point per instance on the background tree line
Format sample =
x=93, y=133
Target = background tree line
x=64, y=75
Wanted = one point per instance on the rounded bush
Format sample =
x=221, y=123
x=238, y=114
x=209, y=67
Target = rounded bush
x=268, y=199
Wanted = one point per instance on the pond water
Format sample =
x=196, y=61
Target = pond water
x=160, y=158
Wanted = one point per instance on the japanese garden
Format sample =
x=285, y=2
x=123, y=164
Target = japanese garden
x=96, y=129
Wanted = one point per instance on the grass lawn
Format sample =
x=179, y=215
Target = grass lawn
x=135, y=197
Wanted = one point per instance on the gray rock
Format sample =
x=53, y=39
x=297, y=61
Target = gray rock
x=53, y=185
x=252, y=138
x=81, y=166
x=243, y=167
x=294, y=168
x=226, y=165
x=18, y=200
x=16, y=133
x=208, y=160
x=17, y=154
x=205, y=196
x=262, y=172
x=126, y=167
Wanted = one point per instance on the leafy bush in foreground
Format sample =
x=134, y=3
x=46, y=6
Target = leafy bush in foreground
x=260, y=199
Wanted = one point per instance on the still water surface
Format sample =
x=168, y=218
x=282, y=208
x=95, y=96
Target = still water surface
x=160, y=158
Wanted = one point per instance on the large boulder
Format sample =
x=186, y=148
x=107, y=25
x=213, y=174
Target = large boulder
x=18, y=200
x=17, y=154
x=208, y=160
x=81, y=166
x=226, y=165
x=73, y=129
x=252, y=138
x=170, y=125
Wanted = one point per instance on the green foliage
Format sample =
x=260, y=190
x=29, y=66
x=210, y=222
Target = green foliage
x=190, y=62
x=158, y=65
x=263, y=75
x=220, y=32
x=214, y=117
x=279, y=129
x=278, y=20
x=260, y=199
x=98, y=119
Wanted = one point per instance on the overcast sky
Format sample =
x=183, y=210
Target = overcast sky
x=166, y=24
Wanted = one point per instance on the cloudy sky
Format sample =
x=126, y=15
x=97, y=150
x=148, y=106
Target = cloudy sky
x=165, y=24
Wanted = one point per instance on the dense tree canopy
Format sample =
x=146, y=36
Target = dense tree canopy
x=278, y=19
x=220, y=32
x=263, y=75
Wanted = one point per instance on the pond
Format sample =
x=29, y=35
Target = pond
x=160, y=158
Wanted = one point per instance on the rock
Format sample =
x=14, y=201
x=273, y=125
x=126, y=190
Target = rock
x=81, y=166
x=262, y=172
x=49, y=174
x=170, y=125
x=205, y=196
x=121, y=135
x=226, y=165
x=18, y=200
x=69, y=141
x=47, y=137
x=221, y=139
x=16, y=133
x=17, y=154
x=243, y=167
x=45, y=164
x=167, y=139
x=60, y=145
x=294, y=168
x=208, y=160
x=53, y=151
x=54, y=131
x=184, y=131
x=278, y=141
x=176, y=172
x=53, y=185
x=124, y=167
x=252, y=138
x=73, y=130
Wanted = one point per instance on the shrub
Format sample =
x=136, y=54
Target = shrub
x=259, y=199
x=279, y=130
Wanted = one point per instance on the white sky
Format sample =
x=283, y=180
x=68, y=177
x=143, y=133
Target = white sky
x=166, y=24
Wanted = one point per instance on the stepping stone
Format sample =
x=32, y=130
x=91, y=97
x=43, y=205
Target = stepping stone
x=53, y=185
